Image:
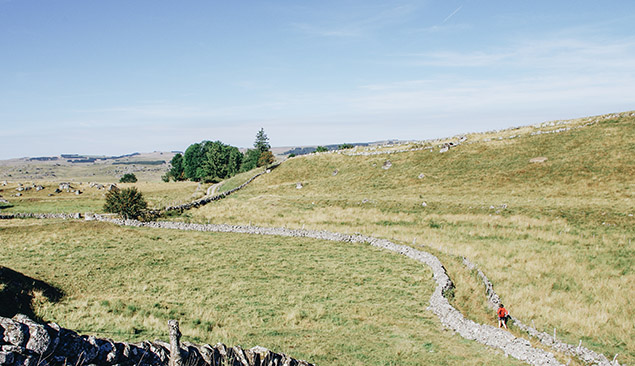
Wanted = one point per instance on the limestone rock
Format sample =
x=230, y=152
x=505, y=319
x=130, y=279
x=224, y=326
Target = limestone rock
x=13, y=332
x=540, y=159
x=387, y=165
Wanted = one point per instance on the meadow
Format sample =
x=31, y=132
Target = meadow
x=330, y=303
x=555, y=238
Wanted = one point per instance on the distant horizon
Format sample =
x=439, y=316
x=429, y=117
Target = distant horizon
x=125, y=154
x=107, y=78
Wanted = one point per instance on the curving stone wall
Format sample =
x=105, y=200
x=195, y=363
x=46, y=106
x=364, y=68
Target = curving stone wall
x=491, y=336
x=207, y=199
x=494, y=337
x=586, y=355
x=24, y=342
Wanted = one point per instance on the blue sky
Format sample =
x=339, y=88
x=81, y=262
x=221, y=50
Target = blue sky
x=114, y=77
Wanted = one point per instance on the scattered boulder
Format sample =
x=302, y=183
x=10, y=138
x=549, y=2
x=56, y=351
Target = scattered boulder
x=387, y=165
x=64, y=186
x=424, y=204
x=540, y=159
x=298, y=185
x=39, y=188
x=421, y=176
x=335, y=172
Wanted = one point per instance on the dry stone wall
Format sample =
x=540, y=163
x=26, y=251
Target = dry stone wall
x=491, y=336
x=207, y=199
x=24, y=342
x=586, y=355
x=518, y=348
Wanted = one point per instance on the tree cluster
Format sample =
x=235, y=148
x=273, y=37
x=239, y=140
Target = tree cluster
x=214, y=161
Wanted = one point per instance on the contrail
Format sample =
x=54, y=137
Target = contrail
x=451, y=15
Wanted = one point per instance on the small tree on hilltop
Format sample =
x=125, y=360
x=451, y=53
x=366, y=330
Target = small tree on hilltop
x=127, y=202
x=262, y=141
x=321, y=149
x=128, y=178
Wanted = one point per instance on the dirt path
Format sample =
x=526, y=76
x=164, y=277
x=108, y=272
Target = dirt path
x=212, y=189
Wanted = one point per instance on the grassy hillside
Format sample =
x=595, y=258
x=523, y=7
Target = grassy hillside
x=555, y=238
x=330, y=303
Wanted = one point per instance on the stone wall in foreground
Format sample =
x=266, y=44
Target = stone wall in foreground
x=24, y=342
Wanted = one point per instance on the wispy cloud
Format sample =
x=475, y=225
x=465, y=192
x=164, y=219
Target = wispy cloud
x=453, y=13
x=568, y=54
x=357, y=26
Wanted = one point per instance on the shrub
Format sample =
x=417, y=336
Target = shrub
x=128, y=178
x=127, y=202
x=266, y=158
x=321, y=149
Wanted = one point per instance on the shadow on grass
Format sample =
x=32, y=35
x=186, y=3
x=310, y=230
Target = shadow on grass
x=16, y=293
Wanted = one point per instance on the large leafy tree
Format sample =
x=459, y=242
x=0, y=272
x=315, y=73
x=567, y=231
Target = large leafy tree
x=211, y=161
x=176, y=172
x=250, y=160
x=193, y=161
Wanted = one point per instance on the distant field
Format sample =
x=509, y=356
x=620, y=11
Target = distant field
x=92, y=199
x=148, y=167
x=330, y=303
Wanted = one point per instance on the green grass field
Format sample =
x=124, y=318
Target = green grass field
x=555, y=238
x=330, y=303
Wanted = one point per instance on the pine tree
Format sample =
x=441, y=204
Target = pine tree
x=262, y=141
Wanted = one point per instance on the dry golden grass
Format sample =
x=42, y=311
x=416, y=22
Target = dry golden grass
x=327, y=302
x=556, y=238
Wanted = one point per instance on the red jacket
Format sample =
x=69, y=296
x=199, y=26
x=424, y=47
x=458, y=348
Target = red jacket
x=502, y=312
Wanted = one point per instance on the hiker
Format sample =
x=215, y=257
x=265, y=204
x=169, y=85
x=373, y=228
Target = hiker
x=502, y=316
